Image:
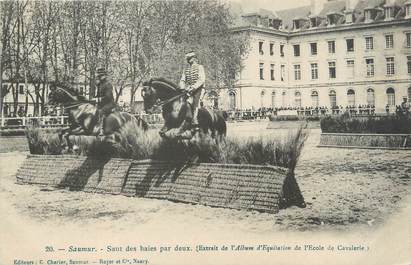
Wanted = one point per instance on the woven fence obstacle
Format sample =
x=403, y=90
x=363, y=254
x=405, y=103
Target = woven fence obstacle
x=369, y=141
x=103, y=175
x=242, y=187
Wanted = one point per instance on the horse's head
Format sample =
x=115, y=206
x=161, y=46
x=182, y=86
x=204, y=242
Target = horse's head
x=149, y=95
x=54, y=96
x=61, y=94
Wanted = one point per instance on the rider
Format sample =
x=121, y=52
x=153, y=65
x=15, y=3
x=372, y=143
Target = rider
x=192, y=80
x=405, y=106
x=104, y=97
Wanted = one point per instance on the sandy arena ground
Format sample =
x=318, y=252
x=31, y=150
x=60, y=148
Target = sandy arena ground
x=359, y=197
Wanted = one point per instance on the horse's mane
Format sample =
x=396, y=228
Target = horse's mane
x=67, y=88
x=162, y=83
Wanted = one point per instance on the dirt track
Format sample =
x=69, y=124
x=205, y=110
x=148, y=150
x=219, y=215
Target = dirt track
x=350, y=191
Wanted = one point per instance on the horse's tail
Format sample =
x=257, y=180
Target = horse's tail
x=222, y=125
x=224, y=114
x=213, y=121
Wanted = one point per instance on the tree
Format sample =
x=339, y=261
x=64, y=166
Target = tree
x=205, y=30
x=68, y=40
x=6, y=12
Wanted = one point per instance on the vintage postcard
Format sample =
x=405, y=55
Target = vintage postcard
x=205, y=132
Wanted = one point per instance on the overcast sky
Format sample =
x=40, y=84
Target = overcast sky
x=252, y=5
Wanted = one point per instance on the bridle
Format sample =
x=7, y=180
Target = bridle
x=70, y=106
x=167, y=101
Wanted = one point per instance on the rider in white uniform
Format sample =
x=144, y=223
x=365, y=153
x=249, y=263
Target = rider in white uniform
x=192, y=80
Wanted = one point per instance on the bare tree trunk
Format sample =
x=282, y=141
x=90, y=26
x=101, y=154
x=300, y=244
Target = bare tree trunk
x=26, y=85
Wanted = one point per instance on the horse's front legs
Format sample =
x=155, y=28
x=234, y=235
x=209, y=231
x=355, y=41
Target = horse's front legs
x=66, y=134
x=163, y=130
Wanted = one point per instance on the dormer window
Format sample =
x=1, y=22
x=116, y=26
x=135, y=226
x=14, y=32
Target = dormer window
x=408, y=9
x=349, y=17
x=274, y=23
x=371, y=14
x=368, y=15
x=389, y=12
x=297, y=24
x=315, y=21
x=334, y=18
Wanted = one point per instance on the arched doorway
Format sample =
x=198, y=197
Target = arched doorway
x=333, y=98
x=298, y=99
x=351, y=97
x=370, y=97
x=390, y=96
x=284, y=94
x=314, y=99
x=232, y=100
x=262, y=98
x=213, y=98
x=273, y=99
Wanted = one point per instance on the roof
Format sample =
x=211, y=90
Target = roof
x=261, y=13
x=288, y=15
x=332, y=8
x=267, y=13
x=367, y=4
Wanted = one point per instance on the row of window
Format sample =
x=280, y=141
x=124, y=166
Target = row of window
x=332, y=95
x=21, y=89
x=272, y=72
x=261, y=49
x=350, y=45
x=332, y=69
x=351, y=99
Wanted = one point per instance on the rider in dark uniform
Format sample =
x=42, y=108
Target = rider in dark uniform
x=104, y=97
x=405, y=106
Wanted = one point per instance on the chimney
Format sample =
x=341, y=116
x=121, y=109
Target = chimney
x=317, y=6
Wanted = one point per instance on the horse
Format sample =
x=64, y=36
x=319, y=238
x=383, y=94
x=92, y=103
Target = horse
x=83, y=118
x=161, y=92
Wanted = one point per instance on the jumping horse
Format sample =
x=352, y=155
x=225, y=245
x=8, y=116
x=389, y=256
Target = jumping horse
x=83, y=117
x=159, y=92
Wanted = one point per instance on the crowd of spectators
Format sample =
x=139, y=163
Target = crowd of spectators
x=302, y=111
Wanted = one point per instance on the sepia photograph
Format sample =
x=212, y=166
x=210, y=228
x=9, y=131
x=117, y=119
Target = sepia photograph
x=221, y=132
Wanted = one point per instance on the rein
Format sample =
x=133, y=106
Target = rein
x=164, y=102
x=71, y=96
x=76, y=105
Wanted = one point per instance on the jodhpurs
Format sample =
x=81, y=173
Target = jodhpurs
x=195, y=101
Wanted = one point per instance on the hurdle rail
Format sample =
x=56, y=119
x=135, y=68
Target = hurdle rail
x=43, y=121
x=60, y=121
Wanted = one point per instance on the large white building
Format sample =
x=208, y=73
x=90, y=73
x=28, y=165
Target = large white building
x=331, y=53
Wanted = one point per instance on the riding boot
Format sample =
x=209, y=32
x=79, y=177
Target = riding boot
x=102, y=117
x=195, y=118
x=194, y=122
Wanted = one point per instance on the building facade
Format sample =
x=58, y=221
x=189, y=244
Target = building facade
x=331, y=53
